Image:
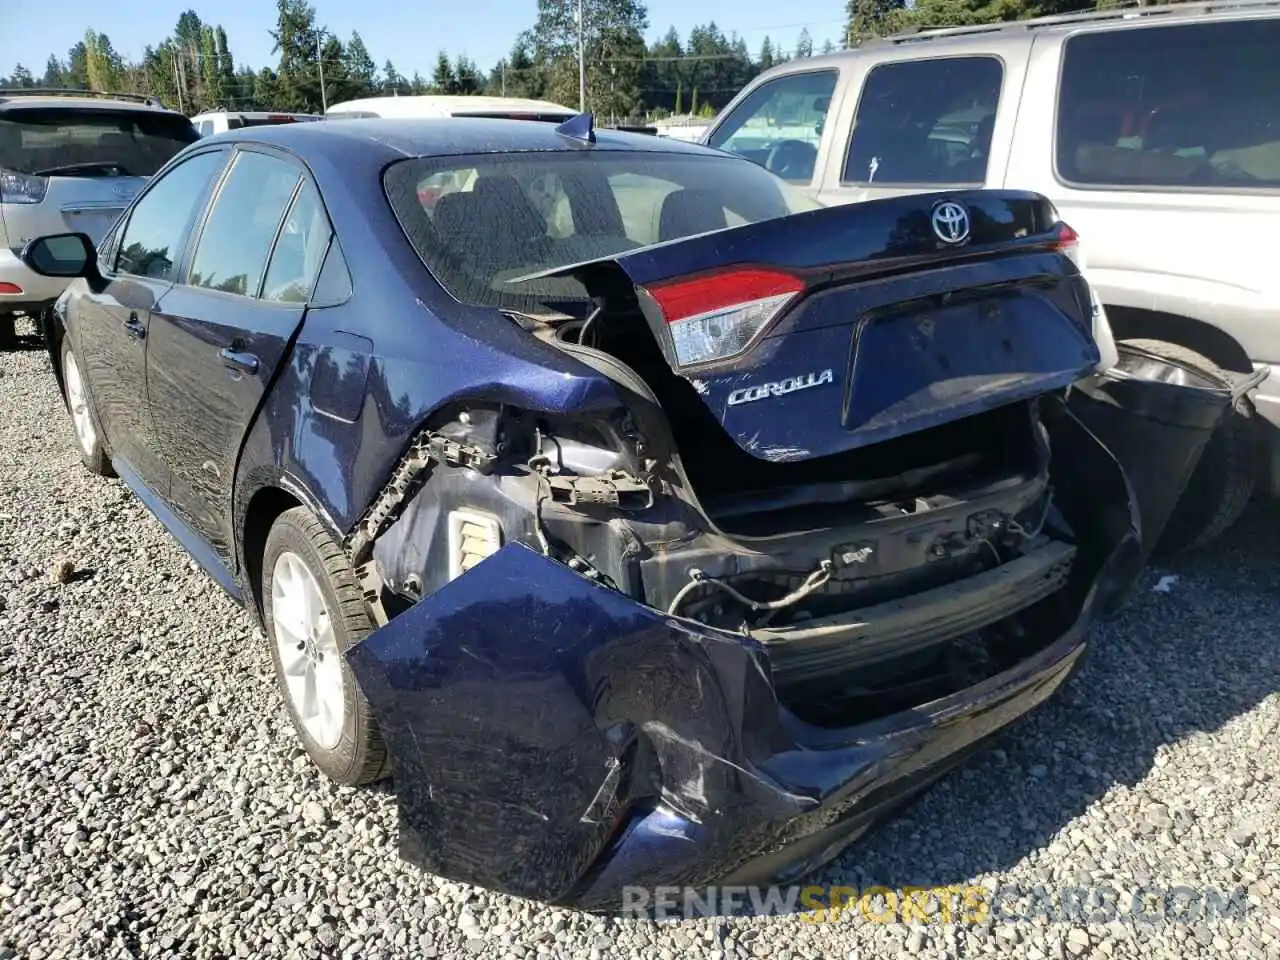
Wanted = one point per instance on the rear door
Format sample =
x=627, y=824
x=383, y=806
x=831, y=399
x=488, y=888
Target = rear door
x=219, y=336
x=110, y=327
x=1163, y=151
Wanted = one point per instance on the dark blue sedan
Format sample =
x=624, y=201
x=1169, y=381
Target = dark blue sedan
x=649, y=523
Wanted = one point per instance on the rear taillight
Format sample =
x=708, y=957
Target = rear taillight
x=717, y=316
x=1068, y=243
x=21, y=188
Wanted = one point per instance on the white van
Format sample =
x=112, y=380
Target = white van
x=509, y=108
x=220, y=121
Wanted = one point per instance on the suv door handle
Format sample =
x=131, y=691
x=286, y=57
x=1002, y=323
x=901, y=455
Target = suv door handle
x=239, y=362
x=134, y=327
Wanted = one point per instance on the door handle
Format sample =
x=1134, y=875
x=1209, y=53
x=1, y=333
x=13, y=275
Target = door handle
x=134, y=327
x=239, y=362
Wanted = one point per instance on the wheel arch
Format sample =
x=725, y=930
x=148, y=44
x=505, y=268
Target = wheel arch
x=264, y=507
x=1135, y=323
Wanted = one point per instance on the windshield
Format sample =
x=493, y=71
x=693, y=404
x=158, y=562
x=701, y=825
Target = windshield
x=124, y=143
x=479, y=222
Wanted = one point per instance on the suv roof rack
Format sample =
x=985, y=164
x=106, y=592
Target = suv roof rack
x=144, y=98
x=1129, y=11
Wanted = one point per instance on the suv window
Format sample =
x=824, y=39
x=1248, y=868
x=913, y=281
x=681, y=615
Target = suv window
x=779, y=124
x=231, y=253
x=90, y=142
x=1195, y=105
x=925, y=122
x=155, y=235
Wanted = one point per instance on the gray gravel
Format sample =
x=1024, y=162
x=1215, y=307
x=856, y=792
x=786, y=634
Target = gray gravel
x=153, y=802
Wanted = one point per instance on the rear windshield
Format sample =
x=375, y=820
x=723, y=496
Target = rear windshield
x=479, y=222
x=1191, y=105
x=91, y=142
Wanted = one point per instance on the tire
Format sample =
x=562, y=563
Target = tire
x=8, y=331
x=84, y=418
x=1223, y=481
x=349, y=751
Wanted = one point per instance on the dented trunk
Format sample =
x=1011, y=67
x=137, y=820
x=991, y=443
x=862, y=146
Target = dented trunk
x=839, y=328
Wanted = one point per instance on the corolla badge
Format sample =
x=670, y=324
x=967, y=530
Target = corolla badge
x=780, y=388
x=951, y=222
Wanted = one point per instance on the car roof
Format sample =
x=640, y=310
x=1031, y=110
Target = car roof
x=210, y=114
x=40, y=99
x=444, y=105
x=924, y=40
x=443, y=137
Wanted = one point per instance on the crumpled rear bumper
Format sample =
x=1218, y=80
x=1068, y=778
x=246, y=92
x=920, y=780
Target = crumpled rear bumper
x=554, y=739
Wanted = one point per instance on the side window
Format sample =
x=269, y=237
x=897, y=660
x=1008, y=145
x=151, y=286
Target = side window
x=334, y=285
x=299, y=250
x=925, y=122
x=1195, y=105
x=231, y=253
x=779, y=125
x=156, y=233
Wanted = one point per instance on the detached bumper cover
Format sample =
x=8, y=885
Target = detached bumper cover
x=554, y=739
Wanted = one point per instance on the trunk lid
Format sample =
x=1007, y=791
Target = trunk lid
x=846, y=326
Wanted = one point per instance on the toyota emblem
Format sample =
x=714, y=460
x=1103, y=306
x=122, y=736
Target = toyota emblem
x=951, y=222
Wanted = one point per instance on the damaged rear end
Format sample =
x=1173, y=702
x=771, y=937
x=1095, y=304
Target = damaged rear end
x=839, y=528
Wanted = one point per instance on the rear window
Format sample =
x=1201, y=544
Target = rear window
x=91, y=142
x=479, y=222
x=1174, y=106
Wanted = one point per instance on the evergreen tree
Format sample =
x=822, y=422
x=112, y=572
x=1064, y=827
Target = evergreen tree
x=443, y=79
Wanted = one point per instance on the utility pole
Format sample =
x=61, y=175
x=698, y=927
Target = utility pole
x=582, y=63
x=324, y=100
x=177, y=80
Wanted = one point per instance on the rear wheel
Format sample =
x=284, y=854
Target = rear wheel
x=1223, y=481
x=314, y=612
x=84, y=420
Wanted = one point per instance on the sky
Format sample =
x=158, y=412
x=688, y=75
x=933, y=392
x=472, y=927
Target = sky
x=408, y=34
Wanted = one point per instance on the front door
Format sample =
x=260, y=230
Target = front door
x=218, y=337
x=111, y=326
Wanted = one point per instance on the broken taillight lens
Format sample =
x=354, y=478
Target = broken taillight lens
x=716, y=316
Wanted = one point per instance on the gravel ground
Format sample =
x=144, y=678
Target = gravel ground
x=154, y=803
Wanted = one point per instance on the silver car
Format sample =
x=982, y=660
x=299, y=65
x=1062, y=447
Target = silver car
x=71, y=161
x=1154, y=130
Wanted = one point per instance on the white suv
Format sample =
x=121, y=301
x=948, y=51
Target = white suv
x=1155, y=131
x=71, y=160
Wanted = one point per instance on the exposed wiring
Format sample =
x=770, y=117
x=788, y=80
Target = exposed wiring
x=541, y=465
x=1015, y=527
x=586, y=325
x=697, y=578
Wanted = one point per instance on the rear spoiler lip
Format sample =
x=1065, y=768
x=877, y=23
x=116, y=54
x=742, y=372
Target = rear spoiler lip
x=646, y=265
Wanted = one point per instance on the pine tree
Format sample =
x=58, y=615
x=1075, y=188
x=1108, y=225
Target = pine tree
x=362, y=73
x=443, y=78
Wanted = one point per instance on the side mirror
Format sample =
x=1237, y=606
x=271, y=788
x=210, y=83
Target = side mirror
x=66, y=255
